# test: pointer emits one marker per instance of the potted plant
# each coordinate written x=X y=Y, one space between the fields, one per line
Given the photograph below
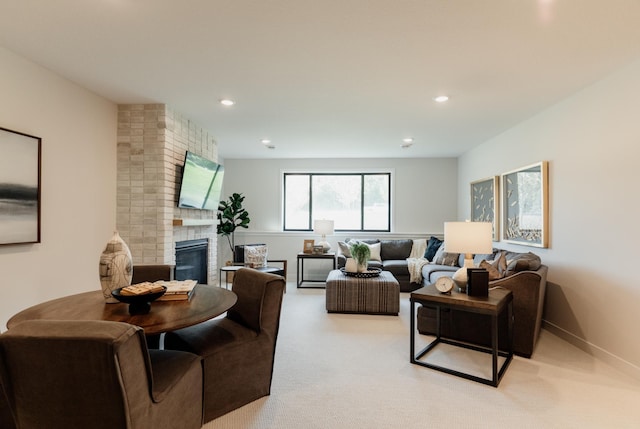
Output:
x=231 y=215
x=361 y=253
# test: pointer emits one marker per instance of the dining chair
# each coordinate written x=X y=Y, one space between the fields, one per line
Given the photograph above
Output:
x=238 y=350
x=96 y=374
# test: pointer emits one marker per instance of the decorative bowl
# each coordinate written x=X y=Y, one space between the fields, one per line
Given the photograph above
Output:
x=138 y=304
x=371 y=272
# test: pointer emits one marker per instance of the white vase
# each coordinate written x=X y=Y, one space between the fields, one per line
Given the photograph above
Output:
x=351 y=266
x=362 y=268
x=116 y=266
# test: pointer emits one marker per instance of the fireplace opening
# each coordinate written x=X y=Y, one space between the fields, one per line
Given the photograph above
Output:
x=192 y=260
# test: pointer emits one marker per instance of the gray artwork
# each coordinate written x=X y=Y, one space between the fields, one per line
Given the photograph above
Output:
x=19 y=188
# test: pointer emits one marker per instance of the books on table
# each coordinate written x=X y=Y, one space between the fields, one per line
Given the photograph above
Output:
x=177 y=289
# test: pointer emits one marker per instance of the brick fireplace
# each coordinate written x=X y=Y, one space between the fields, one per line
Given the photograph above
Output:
x=152 y=141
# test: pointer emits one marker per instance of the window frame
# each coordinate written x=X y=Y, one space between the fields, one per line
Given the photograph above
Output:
x=362 y=175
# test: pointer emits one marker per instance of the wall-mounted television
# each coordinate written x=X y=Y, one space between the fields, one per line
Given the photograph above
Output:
x=201 y=183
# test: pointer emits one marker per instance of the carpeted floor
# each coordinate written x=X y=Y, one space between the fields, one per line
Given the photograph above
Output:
x=353 y=371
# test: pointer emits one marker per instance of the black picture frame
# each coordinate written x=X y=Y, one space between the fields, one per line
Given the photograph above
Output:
x=20 y=187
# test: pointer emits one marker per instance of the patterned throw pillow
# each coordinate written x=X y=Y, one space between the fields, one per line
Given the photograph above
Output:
x=255 y=256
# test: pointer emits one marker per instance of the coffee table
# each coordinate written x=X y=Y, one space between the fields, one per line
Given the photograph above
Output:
x=374 y=295
x=499 y=300
x=206 y=303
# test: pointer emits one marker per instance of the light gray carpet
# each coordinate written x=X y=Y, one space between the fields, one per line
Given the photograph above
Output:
x=353 y=371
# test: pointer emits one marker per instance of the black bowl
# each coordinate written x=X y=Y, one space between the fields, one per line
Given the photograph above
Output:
x=138 y=304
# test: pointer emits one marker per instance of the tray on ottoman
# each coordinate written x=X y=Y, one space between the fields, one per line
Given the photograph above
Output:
x=372 y=295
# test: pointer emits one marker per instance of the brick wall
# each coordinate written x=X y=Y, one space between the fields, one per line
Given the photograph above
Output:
x=152 y=141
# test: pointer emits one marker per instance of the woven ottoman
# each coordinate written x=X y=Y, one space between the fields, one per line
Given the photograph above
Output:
x=375 y=295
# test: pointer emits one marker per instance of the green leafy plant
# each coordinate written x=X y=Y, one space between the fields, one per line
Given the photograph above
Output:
x=231 y=216
x=360 y=253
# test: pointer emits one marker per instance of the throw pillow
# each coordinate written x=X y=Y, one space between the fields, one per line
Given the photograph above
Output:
x=494 y=274
x=255 y=256
x=344 y=249
x=375 y=252
x=445 y=258
x=450 y=259
x=438 y=254
x=433 y=245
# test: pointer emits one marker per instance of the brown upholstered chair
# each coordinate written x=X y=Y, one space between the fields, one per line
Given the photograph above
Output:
x=152 y=273
x=239 y=349
x=96 y=374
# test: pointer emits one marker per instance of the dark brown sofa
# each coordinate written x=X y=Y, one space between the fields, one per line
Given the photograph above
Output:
x=528 y=287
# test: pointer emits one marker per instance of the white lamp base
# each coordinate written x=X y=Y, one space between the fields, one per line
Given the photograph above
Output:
x=325 y=246
x=460 y=277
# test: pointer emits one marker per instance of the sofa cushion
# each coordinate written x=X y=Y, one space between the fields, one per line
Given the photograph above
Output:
x=374 y=264
x=395 y=249
x=433 y=245
x=429 y=272
x=397 y=267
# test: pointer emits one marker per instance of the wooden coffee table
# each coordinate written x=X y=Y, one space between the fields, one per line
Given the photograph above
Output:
x=499 y=300
x=206 y=303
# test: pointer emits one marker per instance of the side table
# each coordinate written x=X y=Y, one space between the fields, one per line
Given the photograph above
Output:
x=499 y=300
x=300 y=266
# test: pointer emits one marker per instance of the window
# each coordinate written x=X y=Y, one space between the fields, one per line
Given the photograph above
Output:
x=354 y=201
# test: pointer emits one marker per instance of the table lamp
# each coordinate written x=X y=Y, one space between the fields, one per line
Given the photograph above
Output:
x=323 y=227
x=467 y=238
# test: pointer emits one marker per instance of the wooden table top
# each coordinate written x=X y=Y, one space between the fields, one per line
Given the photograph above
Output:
x=492 y=304
x=206 y=303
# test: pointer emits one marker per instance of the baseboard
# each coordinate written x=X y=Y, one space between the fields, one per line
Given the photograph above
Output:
x=599 y=353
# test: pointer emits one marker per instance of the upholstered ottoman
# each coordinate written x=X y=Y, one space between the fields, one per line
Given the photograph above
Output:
x=375 y=295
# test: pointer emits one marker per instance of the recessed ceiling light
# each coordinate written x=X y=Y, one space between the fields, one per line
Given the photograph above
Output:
x=440 y=99
x=265 y=141
x=408 y=140
x=227 y=102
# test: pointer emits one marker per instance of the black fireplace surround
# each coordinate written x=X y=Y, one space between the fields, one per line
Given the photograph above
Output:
x=192 y=260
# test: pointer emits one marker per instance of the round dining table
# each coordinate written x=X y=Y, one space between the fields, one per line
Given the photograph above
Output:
x=206 y=303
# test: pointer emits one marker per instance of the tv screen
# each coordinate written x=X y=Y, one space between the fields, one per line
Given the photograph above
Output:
x=201 y=183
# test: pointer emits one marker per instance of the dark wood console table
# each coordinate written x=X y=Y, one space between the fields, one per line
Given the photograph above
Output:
x=499 y=300
x=206 y=303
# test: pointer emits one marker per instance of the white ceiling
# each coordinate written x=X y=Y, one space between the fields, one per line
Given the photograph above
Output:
x=332 y=78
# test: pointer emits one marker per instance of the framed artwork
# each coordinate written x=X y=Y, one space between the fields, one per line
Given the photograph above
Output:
x=525 y=202
x=485 y=203
x=19 y=187
x=308 y=246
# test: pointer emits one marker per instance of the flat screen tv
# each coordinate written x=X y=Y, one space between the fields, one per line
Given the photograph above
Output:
x=201 y=183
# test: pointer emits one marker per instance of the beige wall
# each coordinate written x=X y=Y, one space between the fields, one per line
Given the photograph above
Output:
x=424 y=197
x=78 y=131
x=592 y=143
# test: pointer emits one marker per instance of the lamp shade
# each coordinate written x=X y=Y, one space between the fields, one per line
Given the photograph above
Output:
x=323 y=227
x=468 y=237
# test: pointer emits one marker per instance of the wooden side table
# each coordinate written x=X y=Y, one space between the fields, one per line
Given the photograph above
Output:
x=499 y=300
x=311 y=256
